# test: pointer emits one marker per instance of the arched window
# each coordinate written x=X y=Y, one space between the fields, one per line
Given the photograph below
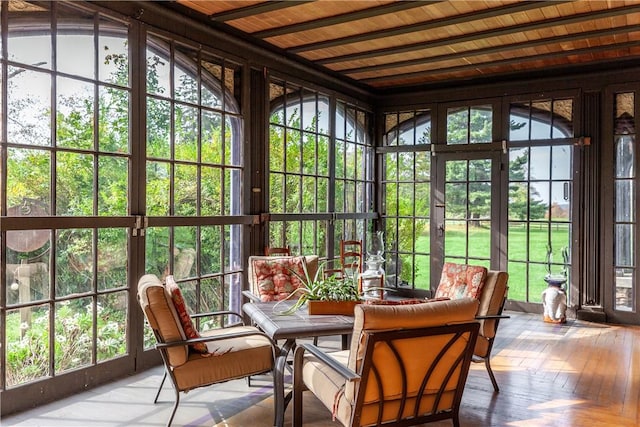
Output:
x=98 y=162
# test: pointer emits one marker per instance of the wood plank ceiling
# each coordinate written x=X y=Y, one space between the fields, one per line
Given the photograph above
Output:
x=393 y=44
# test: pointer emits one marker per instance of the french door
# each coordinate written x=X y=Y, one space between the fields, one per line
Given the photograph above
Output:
x=466 y=208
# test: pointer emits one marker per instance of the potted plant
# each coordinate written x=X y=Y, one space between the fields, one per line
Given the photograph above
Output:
x=325 y=295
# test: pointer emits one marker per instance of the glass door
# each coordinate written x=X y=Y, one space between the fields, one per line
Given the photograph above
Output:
x=621 y=303
x=466 y=210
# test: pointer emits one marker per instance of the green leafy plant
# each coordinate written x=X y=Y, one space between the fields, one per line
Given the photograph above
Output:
x=321 y=288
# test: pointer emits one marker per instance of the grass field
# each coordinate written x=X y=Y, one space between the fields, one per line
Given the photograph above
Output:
x=527 y=251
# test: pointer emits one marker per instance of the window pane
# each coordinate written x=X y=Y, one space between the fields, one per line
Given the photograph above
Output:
x=74 y=260
x=561 y=202
x=211 y=190
x=458 y=125
x=33 y=49
x=185 y=84
x=112 y=258
x=113 y=186
x=625 y=201
x=74 y=114
x=211 y=129
x=158 y=71
x=541 y=120
x=113 y=60
x=29 y=97
x=112 y=315
x=158 y=128
x=28 y=177
x=562 y=118
x=519 y=121
x=518 y=164
x=186 y=133
x=480 y=126
x=518 y=200
x=538 y=242
x=309 y=154
x=540 y=163
x=624 y=245
x=561 y=165
x=518 y=241
x=28 y=333
x=625 y=155
x=186 y=190
x=323 y=115
x=405 y=199
x=158 y=185
x=113 y=126
x=74 y=185
x=28 y=281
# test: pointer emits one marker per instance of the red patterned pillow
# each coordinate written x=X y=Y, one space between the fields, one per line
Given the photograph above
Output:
x=189 y=328
x=461 y=281
x=275 y=279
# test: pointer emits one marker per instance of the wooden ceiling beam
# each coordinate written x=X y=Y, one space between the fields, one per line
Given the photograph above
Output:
x=422 y=26
x=492 y=49
x=256 y=9
x=341 y=19
x=502 y=62
x=588 y=16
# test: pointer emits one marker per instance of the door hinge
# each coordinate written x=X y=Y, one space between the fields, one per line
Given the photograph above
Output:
x=141 y=223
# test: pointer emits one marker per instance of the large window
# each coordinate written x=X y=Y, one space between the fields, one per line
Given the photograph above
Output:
x=406 y=186
x=625 y=221
x=318 y=186
x=67 y=154
x=540 y=194
x=87 y=193
x=193 y=171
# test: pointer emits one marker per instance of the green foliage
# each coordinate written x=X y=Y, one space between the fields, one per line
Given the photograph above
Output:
x=28 y=344
x=321 y=288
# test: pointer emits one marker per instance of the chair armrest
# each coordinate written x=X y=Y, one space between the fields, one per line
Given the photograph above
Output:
x=251 y=296
x=215 y=313
x=494 y=316
x=325 y=358
x=214 y=338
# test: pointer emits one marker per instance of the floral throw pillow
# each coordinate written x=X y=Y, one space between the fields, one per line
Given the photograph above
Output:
x=461 y=281
x=275 y=279
x=189 y=328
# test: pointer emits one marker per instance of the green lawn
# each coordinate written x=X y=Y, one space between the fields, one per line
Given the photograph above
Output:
x=521 y=274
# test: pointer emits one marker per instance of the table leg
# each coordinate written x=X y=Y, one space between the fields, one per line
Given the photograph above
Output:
x=279 y=373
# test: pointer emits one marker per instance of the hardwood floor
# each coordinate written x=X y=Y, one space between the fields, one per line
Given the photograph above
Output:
x=577 y=374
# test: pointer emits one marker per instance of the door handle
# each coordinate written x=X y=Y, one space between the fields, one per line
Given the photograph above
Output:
x=441 y=230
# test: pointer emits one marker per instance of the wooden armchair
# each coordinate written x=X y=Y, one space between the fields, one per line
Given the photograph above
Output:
x=464 y=280
x=194 y=359
x=407 y=365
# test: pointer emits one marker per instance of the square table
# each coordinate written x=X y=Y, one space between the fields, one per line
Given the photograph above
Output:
x=289 y=328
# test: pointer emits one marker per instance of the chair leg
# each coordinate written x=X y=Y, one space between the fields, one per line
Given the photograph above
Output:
x=487 y=363
x=175 y=408
x=160 y=388
x=298 y=387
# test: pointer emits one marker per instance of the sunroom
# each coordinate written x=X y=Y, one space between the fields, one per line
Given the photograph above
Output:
x=183 y=137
